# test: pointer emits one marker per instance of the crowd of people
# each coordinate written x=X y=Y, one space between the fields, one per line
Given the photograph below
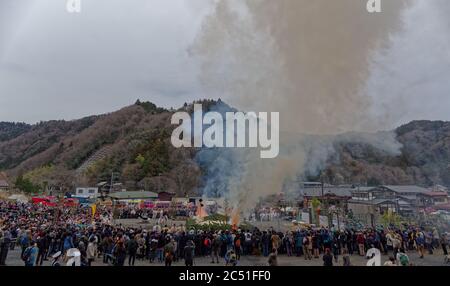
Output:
x=44 y=233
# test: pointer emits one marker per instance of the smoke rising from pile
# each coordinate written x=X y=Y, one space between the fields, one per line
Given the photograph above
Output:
x=308 y=60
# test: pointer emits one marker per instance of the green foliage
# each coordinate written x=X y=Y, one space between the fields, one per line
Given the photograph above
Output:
x=153 y=156
x=210 y=226
x=391 y=218
x=39 y=173
x=102 y=169
x=149 y=107
x=373 y=182
x=25 y=185
x=216 y=217
x=10 y=130
x=315 y=203
x=140 y=160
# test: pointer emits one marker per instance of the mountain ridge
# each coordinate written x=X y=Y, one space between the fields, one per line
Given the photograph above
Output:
x=138 y=136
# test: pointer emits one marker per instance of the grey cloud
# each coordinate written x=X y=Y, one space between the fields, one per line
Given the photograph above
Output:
x=72 y=65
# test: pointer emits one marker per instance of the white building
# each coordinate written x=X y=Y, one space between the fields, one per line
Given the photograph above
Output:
x=91 y=192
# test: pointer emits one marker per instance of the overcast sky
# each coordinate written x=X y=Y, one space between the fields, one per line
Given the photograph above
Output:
x=56 y=65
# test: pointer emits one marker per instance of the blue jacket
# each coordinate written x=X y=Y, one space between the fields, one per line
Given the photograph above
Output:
x=68 y=243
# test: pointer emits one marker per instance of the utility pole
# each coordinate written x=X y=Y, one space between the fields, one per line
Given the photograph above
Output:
x=111 y=184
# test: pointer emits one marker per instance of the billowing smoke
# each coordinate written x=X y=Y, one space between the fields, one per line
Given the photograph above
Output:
x=308 y=60
x=409 y=81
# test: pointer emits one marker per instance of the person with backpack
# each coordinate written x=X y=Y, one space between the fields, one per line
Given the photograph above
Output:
x=207 y=246
x=30 y=254
x=25 y=240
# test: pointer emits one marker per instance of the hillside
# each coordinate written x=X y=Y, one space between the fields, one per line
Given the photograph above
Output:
x=10 y=130
x=424 y=158
x=135 y=142
x=136 y=137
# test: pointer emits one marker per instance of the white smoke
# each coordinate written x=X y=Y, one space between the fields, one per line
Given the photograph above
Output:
x=321 y=64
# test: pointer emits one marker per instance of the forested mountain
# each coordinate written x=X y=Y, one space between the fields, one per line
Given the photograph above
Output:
x=135 y=143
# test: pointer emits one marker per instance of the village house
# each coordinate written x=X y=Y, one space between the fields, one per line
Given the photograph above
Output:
x=4 y=185
x=368 y=204
x=330 y=195
x=166 y=196
x=87 y=193
x=433 y=199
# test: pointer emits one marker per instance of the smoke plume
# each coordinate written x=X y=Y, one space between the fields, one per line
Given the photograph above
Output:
x=308 y=60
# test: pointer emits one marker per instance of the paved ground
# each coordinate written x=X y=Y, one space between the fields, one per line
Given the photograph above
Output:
x=430 y=260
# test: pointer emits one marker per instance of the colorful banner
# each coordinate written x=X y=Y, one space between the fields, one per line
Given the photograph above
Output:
x=94 y=209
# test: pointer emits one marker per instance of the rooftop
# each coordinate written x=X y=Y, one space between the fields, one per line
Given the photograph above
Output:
x=406 y=189
x=436 y=194
x=133 y=195
x=373 y=202
x=337 y=191
x=362 y=189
